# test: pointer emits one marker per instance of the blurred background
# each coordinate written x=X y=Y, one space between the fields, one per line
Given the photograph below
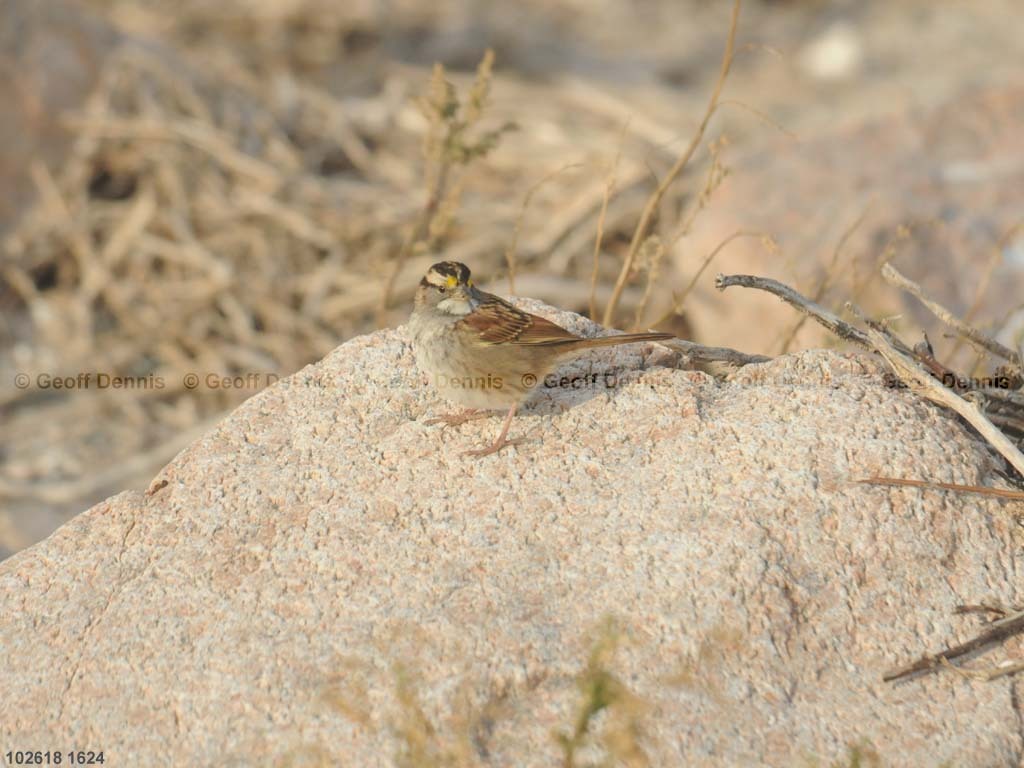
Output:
x=196 y=197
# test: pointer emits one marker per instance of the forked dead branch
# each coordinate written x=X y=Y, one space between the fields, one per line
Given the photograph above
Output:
x=916 y=365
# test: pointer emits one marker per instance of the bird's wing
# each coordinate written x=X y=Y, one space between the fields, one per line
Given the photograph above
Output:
x=495 y=321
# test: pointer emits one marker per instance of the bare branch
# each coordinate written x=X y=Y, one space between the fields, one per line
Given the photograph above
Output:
x=999 y=493
x=826 y=318
x=994 y=260
x=999 y=631
x=893 y=277
x=922 y=355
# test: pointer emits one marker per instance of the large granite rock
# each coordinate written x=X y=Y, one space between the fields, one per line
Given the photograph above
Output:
x=324 y=580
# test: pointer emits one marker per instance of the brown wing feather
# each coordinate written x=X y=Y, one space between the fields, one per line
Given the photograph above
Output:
x=497 y=322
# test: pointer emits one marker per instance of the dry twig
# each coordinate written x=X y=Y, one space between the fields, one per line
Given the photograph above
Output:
x=997 y=632
x=679 y=301
x=829 y=320
x=925 y=384
x=609 y=187
x=986 y=277
x=893 y=276
x=906 y=363
x=999 y=493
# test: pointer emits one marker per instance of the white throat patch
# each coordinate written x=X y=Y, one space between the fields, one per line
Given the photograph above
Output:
x=454 y=306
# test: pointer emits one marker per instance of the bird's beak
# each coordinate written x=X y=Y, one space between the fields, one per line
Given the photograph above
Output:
x=467 y=294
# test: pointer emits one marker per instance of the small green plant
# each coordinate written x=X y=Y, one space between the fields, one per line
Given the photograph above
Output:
x=419 y=745
x=604 y=695
x=859 y=755
x=461 y=740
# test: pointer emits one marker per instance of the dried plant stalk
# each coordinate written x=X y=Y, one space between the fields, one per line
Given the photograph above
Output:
x=654 y=201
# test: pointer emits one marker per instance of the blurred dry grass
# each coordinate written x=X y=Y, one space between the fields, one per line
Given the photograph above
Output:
x=194 y=227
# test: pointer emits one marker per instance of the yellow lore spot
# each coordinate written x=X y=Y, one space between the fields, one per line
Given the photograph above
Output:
x=452 y=282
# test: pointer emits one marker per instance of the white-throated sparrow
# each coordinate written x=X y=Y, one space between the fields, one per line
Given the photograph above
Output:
x=482 y=352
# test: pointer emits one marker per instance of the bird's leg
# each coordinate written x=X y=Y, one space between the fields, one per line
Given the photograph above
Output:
x=455 y=419
x=501 y=442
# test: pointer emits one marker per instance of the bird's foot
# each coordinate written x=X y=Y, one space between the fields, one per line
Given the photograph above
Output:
x=497 y=445
x=455 y=419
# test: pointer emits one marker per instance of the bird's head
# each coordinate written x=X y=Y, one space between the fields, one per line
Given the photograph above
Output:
x=447 y=287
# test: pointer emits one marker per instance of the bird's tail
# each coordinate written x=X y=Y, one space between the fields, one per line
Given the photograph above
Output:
x=622 y=338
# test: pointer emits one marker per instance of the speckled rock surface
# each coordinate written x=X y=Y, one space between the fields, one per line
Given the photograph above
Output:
x=256 y=607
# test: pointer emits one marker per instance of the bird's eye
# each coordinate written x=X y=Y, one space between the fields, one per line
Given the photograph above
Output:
x=442 y=289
